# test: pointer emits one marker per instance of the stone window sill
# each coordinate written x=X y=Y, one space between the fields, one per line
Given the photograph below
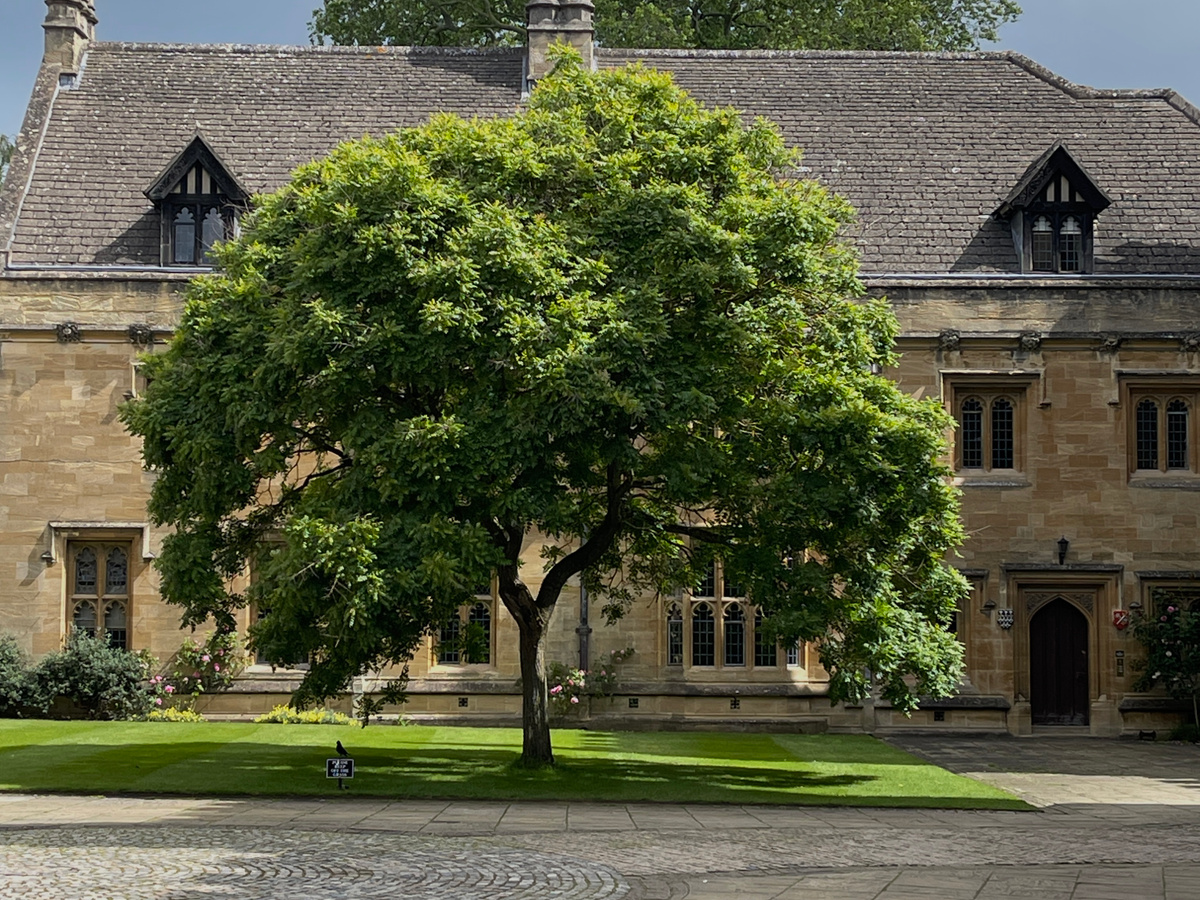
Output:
x=991 y=480
x=1175 y=481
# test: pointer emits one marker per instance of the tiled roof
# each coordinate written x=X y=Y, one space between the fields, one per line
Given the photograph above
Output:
x=927 y=146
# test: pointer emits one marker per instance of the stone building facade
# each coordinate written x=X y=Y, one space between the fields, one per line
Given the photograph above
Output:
x=1039 y=242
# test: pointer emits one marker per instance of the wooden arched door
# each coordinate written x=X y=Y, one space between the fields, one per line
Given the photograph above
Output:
x=1058 y=665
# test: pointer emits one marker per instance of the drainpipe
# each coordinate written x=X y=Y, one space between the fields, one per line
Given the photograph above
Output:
x=584 y=630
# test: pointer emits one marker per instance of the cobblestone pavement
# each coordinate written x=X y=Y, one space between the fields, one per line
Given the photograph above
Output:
x=1099 y=845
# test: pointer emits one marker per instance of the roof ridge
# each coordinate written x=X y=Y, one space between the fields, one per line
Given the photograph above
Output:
x=304 y=49
x=1071 y=88
x=1085 y=92
x=801 y=54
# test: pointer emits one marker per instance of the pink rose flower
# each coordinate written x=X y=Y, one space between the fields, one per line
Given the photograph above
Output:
x=216 y=668
x=557 y=689
x=158 y=701
x=574 y=699
x=205 y=658
x=170 y=689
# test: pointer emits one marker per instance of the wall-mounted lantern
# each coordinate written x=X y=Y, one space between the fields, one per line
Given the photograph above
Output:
x=1063 y=546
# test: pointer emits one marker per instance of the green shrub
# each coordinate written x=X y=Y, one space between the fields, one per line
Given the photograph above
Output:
x=569 y=686
x=285 y=715
x=173 y=714
x=1171 y=636
x=14 y=678
x=198 y=668
x=105 y=682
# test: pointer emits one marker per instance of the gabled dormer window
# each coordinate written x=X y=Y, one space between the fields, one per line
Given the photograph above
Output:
x=199 y=201
x=1052 y=212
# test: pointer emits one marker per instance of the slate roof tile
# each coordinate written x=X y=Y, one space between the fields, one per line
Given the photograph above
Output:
x=926 y=146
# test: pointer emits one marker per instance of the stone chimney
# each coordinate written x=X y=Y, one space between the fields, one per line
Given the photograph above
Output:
x=553 y=22
x=70 y=25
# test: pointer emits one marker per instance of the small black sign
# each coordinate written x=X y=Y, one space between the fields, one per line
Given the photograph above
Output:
x=339 y=768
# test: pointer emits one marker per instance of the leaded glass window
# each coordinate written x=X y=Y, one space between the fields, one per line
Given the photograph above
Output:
x=115 y=624
x=989 y=429
x=703 y=636
x=480 y=619
x=116 y=580
x=1177 y=435
x=971 y=434
x=707 y=586
x=85 y=571
x=735 y=635
x=795 y=655
x=764 y=649
x=1070 y=245
x=184 y=238
x=1147 y=434
x=674 y=636
x=1043 y=244
x=1002 y=433
x=90 y=611
x=213 y=230
x=448 y=651
x=83 y=618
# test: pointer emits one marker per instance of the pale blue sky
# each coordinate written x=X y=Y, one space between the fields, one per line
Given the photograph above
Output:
x=1104 y=43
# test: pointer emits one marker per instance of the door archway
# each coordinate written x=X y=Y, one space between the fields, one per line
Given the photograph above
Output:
x=1058 y=665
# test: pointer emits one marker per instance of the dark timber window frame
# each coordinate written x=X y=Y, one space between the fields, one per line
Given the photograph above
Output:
x=1162 y=427
x=991 y=412
x=479 y=612
x=100 y=579
x=716 y=627
x=1052 y=213
x=195 y=186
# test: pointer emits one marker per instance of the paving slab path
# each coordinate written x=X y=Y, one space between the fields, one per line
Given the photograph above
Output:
x=1088 y=840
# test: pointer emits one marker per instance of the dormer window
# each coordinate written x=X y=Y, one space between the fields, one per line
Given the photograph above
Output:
x=199 y=201
x=1056 y=243
x=199 y=217
x=1052 y=211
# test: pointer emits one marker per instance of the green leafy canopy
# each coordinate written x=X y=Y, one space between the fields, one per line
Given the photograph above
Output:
x=613 y=324
x=720 y=24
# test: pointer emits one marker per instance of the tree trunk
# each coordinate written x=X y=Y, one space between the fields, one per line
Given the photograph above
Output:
x=535 y=719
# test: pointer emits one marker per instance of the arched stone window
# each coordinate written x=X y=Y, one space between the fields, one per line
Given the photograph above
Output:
x=480 y=618
x=116 y=577
x=703 y=635
x=765 y=651
x=1178 y=456
x=115 y=624
x=100 y=595
x=85 y=571
x=448 y=652
x=83 y=618
x=674 y=636
x=1147 y=434
x=1043 y=244
x=183 y=238
x=1070 y=245
x=735 y=635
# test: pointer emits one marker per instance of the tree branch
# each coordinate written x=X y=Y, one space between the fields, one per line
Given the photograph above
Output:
x=596 y=544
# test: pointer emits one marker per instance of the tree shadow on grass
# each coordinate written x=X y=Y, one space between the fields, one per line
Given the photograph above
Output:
x=263 y=769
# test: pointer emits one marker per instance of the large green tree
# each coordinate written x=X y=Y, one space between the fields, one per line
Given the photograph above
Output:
x=723 y=24
x=612 y=325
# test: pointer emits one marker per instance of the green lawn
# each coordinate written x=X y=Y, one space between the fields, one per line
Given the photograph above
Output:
x=222 y=759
